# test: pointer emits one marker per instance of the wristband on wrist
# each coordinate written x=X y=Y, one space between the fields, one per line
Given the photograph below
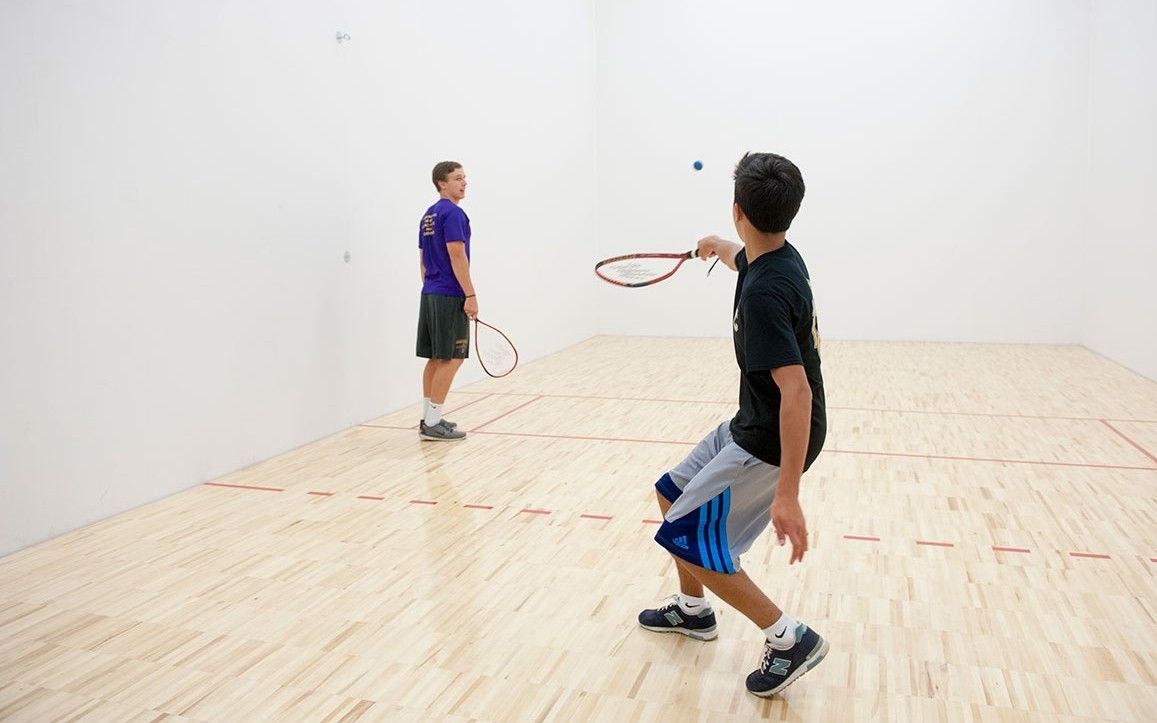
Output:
x=471 y=296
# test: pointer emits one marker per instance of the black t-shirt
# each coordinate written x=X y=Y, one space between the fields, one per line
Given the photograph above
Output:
x=774 y=325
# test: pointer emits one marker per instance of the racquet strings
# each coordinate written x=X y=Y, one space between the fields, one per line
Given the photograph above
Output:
x=495 y=351
x=638 y=270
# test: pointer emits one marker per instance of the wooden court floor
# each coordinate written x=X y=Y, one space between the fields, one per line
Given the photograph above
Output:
x=984 y=548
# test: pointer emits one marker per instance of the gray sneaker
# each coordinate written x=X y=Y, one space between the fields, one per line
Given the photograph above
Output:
x=440 y=432
x=451 y=425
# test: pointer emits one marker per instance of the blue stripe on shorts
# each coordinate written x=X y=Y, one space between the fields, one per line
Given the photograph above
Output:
x=700 y=539
x=713 y=533
x=719 y=497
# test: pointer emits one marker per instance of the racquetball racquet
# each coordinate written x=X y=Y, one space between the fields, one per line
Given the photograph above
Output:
x=495 y=351
x=634 y=270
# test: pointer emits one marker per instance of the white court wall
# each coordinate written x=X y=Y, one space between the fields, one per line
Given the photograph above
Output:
x=944 y=147
x=179 y=184
x=1119 y=256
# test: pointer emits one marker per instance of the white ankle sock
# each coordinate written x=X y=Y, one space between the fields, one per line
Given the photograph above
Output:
x=433 y=414
x=781 y=634
x=425 y=406
x=693 y=604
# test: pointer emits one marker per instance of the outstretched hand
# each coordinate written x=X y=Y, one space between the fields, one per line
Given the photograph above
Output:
x=720 y=249
x=707 y=247
x=787 y=520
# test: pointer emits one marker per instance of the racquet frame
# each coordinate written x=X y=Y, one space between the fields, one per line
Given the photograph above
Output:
x=692 y=254
x=478 y=348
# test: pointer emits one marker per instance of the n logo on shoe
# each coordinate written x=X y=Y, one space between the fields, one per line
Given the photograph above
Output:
x=779 y=666
x=673 y=617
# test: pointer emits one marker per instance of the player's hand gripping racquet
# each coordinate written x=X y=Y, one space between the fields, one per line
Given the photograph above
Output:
x=634 y=270
x=496 y=353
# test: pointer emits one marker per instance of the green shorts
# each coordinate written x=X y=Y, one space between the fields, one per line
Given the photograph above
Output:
x=443 y=328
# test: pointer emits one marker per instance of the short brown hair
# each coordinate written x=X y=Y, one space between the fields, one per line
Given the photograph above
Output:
x=442 y=170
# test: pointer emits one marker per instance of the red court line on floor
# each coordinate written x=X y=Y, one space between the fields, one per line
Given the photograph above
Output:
x=245 y=487
x=535 y=511
x=1121 y=434
x=551 y=436
x=909 y=455
x=997 y=415
x=1042 y=463
x=601 y=398
x=882 y=410
x=507 y=413
x=578 y=438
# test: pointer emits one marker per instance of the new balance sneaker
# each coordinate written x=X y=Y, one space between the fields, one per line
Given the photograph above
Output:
x=451 y=425
x=780 y=668
x=672 y=618
x=440 y=432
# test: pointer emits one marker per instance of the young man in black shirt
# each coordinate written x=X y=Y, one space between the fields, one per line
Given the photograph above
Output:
x=747 y=472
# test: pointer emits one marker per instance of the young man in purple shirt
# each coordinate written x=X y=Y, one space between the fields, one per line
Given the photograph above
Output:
x=448 y=298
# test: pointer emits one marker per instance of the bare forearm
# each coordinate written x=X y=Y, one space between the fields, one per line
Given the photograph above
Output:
x=795 y=433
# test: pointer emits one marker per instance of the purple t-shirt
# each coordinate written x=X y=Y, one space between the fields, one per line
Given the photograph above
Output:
x=444 y=222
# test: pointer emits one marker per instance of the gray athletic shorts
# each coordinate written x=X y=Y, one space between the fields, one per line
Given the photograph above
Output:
x=443 y=328
x=720 y=498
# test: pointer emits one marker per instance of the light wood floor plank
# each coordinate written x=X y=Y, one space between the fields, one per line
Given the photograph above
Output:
x=984 y=548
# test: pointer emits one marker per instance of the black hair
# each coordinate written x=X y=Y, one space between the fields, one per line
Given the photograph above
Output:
x=769 y=190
